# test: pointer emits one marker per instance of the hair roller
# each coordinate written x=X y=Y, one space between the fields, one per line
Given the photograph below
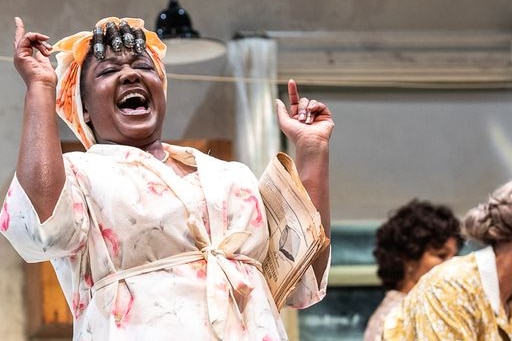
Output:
x=98 y=44
x=113 y=37
x=126 y=34
x=140 y=40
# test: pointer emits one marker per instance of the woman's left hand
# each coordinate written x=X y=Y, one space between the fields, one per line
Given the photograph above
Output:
x=306 y=123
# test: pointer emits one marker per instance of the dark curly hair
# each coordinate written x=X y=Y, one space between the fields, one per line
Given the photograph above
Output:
x=406 y=235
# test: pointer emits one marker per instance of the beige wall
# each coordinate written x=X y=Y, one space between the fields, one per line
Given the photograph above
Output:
x=202 y=109
x=11 y=285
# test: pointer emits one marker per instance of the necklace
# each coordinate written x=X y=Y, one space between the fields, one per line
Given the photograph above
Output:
x=166 y=156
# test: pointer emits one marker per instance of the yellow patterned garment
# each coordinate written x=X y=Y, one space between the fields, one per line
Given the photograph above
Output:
x=457 y=300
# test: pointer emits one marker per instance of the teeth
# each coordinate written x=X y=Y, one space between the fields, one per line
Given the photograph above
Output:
x=132 y=95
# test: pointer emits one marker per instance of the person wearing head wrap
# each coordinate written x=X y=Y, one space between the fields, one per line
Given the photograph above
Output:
x=149 y=241
x=467 y=297
x=72 y=52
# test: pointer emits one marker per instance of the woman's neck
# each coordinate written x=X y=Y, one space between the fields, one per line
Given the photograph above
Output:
x=156 y=149
x=503 y=253
x=406 y=285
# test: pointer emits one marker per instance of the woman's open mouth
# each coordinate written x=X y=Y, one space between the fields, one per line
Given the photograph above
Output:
x=133 y=104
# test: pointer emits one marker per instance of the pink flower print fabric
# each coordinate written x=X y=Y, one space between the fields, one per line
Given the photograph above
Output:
x=143 y=254
x=4 y=214
x=4 y=218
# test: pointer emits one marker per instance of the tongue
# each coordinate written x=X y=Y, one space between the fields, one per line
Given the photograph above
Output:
x=136 y=111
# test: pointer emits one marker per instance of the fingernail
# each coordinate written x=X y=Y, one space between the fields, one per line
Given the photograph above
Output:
x=309 y=118
x=302 y=115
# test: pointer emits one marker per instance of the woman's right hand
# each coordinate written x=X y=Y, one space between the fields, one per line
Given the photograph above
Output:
x=40 y=169
x=31 y=56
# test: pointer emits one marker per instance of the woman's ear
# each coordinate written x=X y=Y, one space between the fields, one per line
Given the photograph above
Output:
x=409 y=269
x=87 y=117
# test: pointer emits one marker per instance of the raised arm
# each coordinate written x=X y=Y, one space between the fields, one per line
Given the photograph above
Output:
x=40 y=168
x=308 y=124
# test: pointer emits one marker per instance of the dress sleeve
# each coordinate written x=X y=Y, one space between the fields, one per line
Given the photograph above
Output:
x=308 y=291
x=62 y=234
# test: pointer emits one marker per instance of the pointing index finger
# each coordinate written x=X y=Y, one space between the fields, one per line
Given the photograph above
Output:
x=293 y=94
x=20 y=29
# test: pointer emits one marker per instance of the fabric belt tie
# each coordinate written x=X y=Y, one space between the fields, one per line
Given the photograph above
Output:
x=226 y=285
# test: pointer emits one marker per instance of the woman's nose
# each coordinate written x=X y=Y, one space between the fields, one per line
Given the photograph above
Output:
x=129 y=75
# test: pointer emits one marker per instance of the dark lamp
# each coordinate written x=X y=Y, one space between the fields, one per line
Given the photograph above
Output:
x=184 y=44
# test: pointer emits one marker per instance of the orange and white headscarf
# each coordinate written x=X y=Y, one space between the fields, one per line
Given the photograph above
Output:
x=70 y=57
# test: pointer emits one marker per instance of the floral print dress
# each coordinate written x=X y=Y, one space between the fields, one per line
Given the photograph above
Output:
x=144 y=254
x=457 y=300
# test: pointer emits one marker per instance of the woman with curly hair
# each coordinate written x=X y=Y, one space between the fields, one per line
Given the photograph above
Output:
x=415 y=238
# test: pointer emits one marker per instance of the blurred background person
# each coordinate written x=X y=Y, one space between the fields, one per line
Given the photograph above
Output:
x=468 y=297
x=416 y=237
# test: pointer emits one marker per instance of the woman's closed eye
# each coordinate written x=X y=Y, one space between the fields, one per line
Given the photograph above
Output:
x=444 y=256
x=107 y=71
x=143 y=66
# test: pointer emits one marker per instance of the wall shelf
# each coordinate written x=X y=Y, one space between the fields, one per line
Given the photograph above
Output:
x=429 y=59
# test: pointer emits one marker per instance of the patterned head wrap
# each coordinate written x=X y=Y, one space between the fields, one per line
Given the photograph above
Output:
x=71 y=54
